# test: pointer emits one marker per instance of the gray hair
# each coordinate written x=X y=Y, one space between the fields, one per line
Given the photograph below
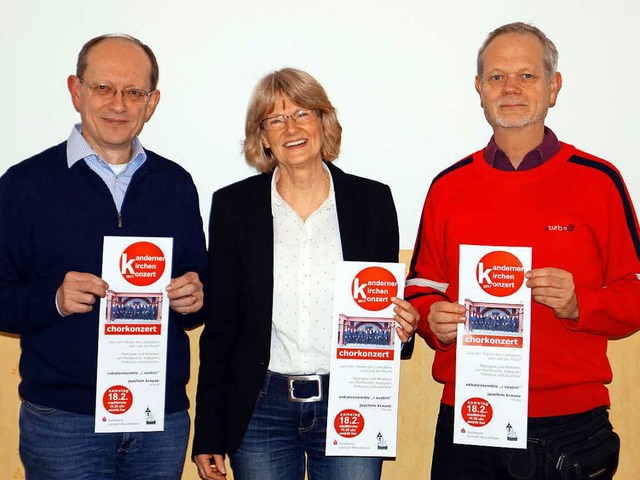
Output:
x=549 y=50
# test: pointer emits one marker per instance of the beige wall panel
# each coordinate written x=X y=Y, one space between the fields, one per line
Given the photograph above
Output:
x=624 y=356
x=10 y=465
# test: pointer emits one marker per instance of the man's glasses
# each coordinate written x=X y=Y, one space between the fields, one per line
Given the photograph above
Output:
x=133 y=95
x=301 y=117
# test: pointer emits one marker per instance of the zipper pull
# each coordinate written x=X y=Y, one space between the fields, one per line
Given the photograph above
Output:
x=119 y=220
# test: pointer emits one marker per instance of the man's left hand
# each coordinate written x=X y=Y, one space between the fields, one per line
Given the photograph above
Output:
x=185 y=293
x=554 y=288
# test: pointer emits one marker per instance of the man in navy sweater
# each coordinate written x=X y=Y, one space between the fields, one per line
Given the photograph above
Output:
x=55 y=210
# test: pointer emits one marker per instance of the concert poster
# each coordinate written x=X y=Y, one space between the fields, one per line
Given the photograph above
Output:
x=365 y=360
x=492 y=357
x=132 y=335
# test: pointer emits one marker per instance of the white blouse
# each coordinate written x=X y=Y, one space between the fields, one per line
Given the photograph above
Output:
x=304 y=263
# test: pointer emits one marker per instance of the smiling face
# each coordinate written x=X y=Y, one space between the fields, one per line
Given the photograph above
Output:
x=296 y=145
x=110 y=124
x=514 y=90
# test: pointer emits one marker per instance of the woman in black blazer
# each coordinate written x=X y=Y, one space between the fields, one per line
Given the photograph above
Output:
x=274 y=241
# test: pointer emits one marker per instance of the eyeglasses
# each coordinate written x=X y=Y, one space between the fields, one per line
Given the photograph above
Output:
x=301 y=117
x=133 y=95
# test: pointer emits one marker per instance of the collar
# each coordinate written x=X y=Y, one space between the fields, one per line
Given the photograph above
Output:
x=78 y=148
x=496 y=157
x=277 y=200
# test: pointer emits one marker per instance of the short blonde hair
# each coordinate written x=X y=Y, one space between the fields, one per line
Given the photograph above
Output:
x=303 y=90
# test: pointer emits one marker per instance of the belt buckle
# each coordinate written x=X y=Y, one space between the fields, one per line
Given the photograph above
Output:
x=304 y=378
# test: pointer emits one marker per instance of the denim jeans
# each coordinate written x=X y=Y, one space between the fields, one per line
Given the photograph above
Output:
x=60 y=445
x=468 y=462
x=284 y=437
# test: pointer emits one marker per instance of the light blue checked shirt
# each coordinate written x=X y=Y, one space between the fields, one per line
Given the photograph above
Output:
x=78 y=149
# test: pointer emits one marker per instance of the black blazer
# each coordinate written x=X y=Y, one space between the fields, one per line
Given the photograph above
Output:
x=236 y=340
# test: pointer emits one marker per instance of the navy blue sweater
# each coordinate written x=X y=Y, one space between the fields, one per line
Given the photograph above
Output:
x=52 y=220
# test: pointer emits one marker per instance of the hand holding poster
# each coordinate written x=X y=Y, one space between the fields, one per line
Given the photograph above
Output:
x=132 y=338
x=492 y=357
x=365 y=360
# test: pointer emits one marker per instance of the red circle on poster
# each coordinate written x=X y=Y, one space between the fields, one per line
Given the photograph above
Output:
x=142 y=263
x=117 y=399
x=477 y=412
x=349 y=423
x=500 y=273
x=373 y=287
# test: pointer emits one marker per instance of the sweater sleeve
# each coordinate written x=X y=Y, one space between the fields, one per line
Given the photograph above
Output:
x=389 y=247
x=612 y=308
x=428 y=280
x=27 y=302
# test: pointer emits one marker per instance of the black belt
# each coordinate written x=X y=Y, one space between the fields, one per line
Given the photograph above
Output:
x=300 y=388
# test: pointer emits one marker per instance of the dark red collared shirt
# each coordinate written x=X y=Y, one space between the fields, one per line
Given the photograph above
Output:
x=536 y=157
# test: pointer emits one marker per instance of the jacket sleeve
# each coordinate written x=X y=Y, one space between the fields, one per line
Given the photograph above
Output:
x=388 y=236
x=613 y=308
x=194 y=258
x=220 y=330
x=27 y=303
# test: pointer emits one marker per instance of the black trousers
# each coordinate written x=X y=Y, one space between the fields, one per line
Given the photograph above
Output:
x=547 y=439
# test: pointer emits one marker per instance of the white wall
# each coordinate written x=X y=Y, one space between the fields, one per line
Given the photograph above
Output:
x=399 y=72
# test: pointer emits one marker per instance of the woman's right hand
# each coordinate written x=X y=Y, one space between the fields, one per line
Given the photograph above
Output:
x=211 y=470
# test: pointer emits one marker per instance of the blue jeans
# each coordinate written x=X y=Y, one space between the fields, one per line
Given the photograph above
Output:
x=283 y=436
x=60 y=445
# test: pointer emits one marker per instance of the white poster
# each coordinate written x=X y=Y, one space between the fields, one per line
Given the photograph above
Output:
x=492 y=358
x=365 y=361
x=132 y=338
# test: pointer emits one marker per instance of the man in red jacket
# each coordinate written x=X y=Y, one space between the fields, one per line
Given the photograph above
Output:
x=526 y=188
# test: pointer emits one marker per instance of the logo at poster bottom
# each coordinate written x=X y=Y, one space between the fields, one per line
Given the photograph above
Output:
x=373 y=287
x=349 y=423
x=477 y=412
x=117 y=399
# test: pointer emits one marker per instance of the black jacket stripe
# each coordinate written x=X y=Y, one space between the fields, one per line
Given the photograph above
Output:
x=626 y=202
x=416 y=248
